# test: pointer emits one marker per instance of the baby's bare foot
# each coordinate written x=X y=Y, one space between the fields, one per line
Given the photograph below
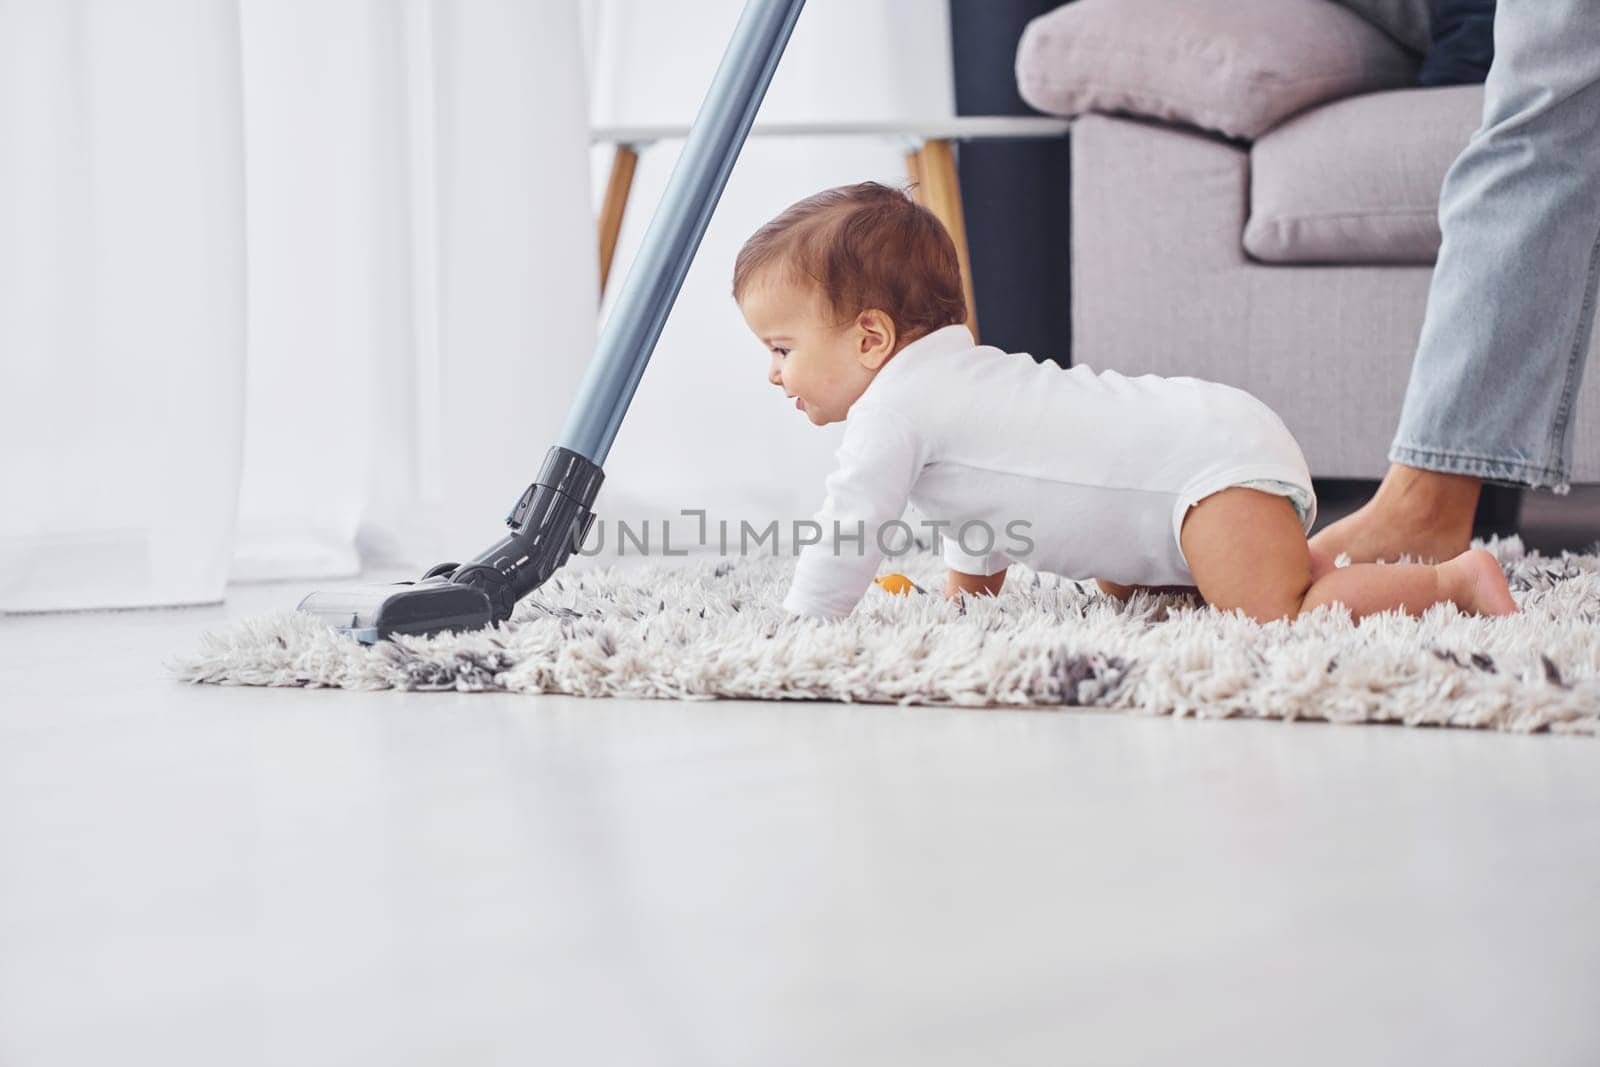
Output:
x=1478 y=585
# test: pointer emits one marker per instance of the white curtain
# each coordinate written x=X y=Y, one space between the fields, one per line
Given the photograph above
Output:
x=121 y=301
x=286 y=286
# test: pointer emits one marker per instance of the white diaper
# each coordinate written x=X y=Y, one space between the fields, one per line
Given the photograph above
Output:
x=1302 y=499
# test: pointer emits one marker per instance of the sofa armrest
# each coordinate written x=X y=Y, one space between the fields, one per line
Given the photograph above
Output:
x=1235 y=67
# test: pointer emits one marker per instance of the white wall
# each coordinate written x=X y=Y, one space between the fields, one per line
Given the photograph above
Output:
x=705 y=429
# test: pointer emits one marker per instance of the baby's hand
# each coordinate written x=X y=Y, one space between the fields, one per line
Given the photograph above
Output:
x=959 y=583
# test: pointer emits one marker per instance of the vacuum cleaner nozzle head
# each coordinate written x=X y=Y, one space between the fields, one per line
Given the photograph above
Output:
x=373 y=613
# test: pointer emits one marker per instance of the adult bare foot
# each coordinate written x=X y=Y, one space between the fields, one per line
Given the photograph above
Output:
x=1421 y=513
x=1477 y=584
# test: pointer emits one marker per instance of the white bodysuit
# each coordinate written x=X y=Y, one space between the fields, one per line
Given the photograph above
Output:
x=1075 y=472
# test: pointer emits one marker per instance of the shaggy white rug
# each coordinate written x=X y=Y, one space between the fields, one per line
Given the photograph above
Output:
x=700 y=630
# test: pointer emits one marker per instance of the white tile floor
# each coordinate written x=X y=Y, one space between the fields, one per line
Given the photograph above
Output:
x=234 y=876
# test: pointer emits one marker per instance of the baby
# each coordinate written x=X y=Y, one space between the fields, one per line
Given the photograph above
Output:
x=1142 y=482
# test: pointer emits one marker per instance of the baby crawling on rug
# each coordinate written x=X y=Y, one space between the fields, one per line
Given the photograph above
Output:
x=1142 y=482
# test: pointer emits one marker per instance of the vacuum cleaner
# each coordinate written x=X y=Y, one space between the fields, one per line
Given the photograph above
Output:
x=552 y=517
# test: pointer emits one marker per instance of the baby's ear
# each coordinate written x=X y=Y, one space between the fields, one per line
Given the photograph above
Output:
x=877 y=331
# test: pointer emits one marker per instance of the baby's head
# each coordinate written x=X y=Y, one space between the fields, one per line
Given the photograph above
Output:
x=839 y=283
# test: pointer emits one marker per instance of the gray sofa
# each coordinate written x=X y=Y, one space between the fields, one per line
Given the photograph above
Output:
x=1254 y=200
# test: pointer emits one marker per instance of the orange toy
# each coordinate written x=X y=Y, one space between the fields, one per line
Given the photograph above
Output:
x=898 y=584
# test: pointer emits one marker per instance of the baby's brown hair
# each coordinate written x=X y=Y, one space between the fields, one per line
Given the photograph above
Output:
x=863 y=246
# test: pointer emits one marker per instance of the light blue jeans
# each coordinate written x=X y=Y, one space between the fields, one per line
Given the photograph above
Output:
x=1512 y=302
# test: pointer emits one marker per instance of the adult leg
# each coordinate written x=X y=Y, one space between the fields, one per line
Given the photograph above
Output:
x=1512 y=302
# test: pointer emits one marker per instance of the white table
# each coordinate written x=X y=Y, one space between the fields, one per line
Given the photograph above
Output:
x=930 y=165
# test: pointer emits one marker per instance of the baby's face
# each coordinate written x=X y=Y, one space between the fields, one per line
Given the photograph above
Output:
x=825 y=368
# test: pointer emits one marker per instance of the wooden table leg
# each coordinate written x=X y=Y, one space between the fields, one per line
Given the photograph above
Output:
x=943 y=197
x=623 y=163
x=919 y=193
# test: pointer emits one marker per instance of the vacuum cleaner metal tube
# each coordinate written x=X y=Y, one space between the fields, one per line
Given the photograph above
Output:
x=679 y=222
x=553 y=515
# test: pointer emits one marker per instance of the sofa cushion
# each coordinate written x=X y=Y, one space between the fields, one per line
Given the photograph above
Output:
x=1238 y=67
x=1358 y=181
